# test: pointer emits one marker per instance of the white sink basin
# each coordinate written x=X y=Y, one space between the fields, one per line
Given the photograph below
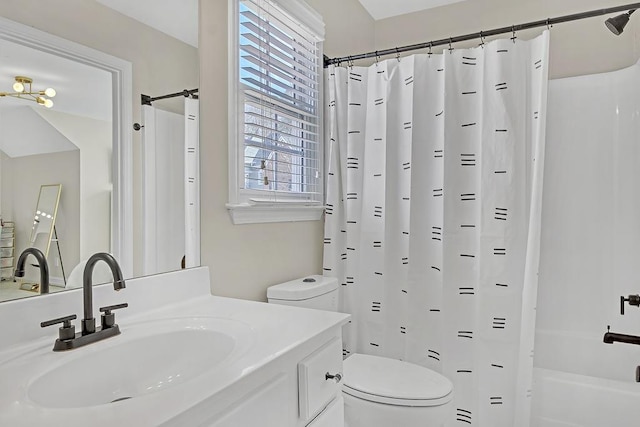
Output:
x=145 y=358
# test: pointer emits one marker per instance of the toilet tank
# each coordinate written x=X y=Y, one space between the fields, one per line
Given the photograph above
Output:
x=310 y=292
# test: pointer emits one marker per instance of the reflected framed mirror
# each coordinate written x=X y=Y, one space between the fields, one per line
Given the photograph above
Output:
x=43 y=234
x=44 y=218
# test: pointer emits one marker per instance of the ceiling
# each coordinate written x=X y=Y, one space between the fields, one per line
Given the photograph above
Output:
x=381 y=9
x=81 y=90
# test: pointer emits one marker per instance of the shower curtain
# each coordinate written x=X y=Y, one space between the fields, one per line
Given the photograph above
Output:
x=433 y=216
x=170 y=188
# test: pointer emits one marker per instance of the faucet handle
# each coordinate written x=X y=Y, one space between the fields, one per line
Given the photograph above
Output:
x=631 y=299
x=67 y=330
x=108 y=319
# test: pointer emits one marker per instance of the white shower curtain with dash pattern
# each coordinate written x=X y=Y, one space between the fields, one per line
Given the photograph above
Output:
x=434 y=189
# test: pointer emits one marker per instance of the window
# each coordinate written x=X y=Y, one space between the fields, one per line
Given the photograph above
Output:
x=276 y=91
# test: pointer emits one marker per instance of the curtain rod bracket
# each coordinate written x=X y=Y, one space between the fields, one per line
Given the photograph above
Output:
x=147 y=100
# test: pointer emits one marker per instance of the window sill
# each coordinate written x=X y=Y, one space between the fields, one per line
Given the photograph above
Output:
x=248 y=213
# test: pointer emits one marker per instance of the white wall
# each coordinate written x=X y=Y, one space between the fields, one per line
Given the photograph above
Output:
x=93 y=139
x=90 y=169
x=590 y=242
x=21 y=181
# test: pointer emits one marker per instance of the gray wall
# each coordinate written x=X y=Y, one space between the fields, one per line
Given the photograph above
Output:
x=246 y=259
x=577 y=48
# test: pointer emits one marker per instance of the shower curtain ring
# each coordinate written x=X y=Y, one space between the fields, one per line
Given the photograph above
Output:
x=430 y=49
x=513 y=30
x=377 y=58
x=481 y=39
x=398 y=54
x=450 y=47
x=549 y=24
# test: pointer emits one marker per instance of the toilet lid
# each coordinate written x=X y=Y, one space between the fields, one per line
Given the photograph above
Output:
x=394 y=382
x=302 y=289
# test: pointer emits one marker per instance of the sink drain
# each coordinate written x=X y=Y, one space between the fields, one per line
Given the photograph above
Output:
x=120 y=399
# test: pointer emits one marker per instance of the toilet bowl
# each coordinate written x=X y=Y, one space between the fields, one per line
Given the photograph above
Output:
x=377 y=391
x=380 y=391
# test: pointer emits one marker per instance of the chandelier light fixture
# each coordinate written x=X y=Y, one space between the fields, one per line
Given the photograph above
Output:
x=22 y=89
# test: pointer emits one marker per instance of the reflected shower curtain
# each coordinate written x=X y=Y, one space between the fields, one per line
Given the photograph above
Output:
x=433 y=213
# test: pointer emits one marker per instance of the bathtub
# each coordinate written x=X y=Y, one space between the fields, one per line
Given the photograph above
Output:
x=581 y=382
x=562 y=399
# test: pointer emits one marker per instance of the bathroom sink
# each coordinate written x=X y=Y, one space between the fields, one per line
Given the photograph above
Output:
x=146 y=358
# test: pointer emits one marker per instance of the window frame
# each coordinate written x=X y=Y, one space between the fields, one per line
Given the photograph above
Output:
x=247 y=206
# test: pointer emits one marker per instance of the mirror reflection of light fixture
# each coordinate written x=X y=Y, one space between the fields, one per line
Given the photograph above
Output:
x=23 y=90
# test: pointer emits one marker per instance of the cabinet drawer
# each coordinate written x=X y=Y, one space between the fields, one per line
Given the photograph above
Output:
x=315 y=390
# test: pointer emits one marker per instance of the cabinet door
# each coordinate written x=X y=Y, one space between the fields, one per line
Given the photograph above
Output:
x=332 y=416
x=318 y=378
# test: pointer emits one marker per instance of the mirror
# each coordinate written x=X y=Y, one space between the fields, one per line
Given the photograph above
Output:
x=86 y=140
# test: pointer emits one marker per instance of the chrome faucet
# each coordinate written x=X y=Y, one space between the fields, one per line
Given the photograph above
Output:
x=68 y=338
x=42 y=264
x=89 y=322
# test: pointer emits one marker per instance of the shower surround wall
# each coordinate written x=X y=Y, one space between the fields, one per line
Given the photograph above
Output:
x=590 y=251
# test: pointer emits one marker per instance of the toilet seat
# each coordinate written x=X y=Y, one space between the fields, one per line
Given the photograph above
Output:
x=394 y=382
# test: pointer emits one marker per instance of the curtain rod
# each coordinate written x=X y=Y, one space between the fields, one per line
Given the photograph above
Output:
x=482 y=34
x=147 y=100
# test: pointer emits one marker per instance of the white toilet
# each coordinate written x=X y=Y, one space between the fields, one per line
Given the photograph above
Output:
x=377 y=391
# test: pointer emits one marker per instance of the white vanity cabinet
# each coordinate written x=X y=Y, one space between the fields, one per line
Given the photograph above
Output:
x=331 y=416
x=259 y=365
x=293 y=391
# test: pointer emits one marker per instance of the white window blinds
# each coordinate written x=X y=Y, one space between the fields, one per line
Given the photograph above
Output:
x=279 y=72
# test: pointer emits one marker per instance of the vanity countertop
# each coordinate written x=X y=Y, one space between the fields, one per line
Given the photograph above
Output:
x=269 y=331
